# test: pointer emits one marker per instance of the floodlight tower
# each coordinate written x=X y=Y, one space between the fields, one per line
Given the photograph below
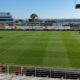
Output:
x=77 y=5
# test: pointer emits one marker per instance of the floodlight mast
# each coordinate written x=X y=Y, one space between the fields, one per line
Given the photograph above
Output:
x=77 y=6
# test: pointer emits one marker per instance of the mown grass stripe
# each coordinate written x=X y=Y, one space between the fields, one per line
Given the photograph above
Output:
x=73 y=48
x=56 y=53
x=35 y=50
x=43 y=48
x=12 y=53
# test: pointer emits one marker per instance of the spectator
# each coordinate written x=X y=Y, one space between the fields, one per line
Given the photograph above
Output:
x=2 y=67
x=18 y=70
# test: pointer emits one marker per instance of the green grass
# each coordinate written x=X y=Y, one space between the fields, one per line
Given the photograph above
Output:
x=41 y=48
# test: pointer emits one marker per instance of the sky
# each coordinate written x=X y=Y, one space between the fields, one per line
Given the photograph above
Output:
x=51 y=9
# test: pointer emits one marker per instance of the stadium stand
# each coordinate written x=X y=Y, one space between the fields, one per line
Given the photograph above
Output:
x=39 y=72
x=53 y=73
x=14 y=77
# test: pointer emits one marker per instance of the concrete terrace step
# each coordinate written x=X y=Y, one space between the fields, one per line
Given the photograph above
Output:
x=14 y=77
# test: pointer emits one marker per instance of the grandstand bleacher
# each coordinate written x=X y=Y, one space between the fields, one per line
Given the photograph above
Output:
x=39 y=72
x=14 y=77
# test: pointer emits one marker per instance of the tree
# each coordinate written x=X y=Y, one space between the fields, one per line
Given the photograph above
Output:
x=34 y=17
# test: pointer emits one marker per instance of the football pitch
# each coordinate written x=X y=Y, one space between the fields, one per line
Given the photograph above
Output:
x=40 y=48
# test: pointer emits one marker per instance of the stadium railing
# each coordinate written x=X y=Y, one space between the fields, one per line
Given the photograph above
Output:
x=40 y=71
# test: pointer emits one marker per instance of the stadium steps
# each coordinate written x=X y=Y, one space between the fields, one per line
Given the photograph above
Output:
x=14 y=77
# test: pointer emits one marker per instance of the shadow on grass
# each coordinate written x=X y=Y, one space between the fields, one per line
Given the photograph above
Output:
x=1 y=37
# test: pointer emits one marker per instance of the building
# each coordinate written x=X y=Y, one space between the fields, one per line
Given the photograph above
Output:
x=6 y=18
x=55 y=22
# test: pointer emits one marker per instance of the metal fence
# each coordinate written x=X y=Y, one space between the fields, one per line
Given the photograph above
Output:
x=40 y=71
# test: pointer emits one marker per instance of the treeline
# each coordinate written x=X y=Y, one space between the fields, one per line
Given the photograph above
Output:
x=72 y=25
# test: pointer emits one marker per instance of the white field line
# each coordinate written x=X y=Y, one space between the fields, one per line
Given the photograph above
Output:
x=16 y=44
x=11 y=47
